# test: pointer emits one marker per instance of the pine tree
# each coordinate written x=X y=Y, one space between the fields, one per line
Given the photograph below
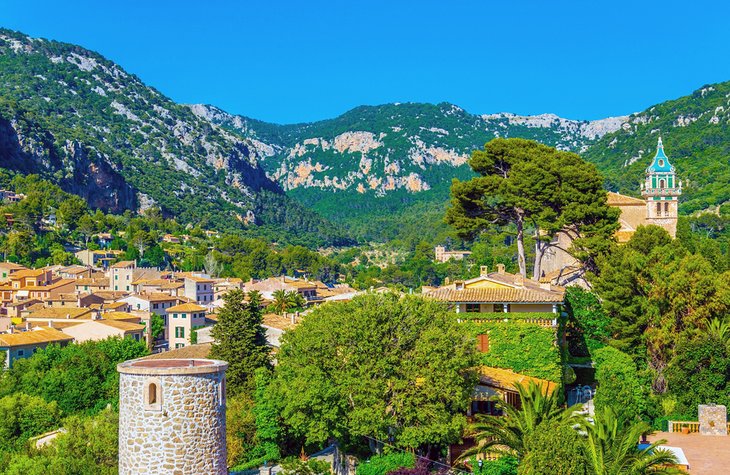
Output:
x=240 y=340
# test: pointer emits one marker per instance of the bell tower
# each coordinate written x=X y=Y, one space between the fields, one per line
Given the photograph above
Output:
x=661 y=191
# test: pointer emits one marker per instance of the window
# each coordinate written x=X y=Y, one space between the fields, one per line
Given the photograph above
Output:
x=658 y=208
x=501 y=307
x=174 y=315
x=136 y=336
x=483 y=343
x=179 y=332
x=661 y=183
x=472 y=307
x=183 y=315
x=153 y=395
x=179 y=345
x=116 y=277
x=21 y=352
x=666 y=208
x=661 y=164
x=155 y=305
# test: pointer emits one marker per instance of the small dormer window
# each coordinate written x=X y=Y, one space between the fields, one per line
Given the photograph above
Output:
x=661 y=162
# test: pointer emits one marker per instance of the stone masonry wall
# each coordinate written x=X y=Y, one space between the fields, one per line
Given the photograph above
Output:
x=713 y=419
x=187 y=435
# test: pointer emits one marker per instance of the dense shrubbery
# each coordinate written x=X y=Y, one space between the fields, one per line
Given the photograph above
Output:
x=522 y=347
x=384 y=464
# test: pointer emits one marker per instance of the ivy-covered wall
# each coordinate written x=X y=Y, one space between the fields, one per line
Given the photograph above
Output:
x=522 y=347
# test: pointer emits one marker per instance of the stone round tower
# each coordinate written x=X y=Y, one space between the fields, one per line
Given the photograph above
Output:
x=172 y=417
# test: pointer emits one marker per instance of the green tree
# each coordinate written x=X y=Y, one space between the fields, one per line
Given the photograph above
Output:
x=240 y=339
x=611 y=447
x=699 y=372
x=89 y=447
x=70 y=211
x=157 y=326
x=23 y=416
x=554 y=447
x=389 y=367
x=532 y=186
x=619 y=386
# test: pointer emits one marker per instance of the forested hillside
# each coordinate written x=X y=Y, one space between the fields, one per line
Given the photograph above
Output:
x=375 y=163
x=696 y=134
x=80 y=120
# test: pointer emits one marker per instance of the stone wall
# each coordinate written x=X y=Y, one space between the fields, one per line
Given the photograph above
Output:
x=713 y=419
x=177 y=426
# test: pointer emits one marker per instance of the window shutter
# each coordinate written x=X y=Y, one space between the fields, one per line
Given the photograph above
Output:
x=483 y=343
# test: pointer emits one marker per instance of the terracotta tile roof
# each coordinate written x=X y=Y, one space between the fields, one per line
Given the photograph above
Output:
x=154 y=296
x=92 y=281
x=27 y=273
x=186 y=307
x=497 y=295
x=116 y=304
x=121 y=325
x=61 y=312
x=507 y=379
x=120 y=316
x=198 y=279
x=12 y=265
x=122 y=264
x=277 y=321
x=617 y=199
x=56 y=325
x=53 y=285
x=201 y=350
x=45 y=335
x=110 y=294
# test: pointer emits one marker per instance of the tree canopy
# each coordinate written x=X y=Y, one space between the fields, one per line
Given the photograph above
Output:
x=384 y=366
x=534 y=187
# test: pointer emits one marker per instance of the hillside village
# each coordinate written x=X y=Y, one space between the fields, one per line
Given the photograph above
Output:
x=522 y=330
x=403 y=289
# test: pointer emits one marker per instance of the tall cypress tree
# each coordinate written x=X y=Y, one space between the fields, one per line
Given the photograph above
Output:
x=240 y=340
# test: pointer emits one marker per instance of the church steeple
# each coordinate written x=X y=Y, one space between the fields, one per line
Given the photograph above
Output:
x=660 y=163
x=661 y=191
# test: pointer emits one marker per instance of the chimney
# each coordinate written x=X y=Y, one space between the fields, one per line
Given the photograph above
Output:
x=545 y=286
x=459 y=284
x=27 y=326
x=500 y=268
x=447 y=281
x=519 y=280
x=50 y=323
x=68 y=316
x=483 y=271
x=11 y=329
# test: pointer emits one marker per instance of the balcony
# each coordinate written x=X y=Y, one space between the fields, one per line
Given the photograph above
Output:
x=662 y=192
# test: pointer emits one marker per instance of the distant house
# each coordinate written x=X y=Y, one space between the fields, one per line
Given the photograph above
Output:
x=181 y=321
x=74 y=272
x=121 y=275
x=170 y=239
x=267 y=287
x=199 y=288
x=18 y=345
x=99 y=259
x=8 y=268
x=442 y=255
x=95 y=330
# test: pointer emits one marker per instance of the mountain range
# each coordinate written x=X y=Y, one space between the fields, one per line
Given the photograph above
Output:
x=83 y=122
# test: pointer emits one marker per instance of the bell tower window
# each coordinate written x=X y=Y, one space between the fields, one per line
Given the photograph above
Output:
x=659 y=209
x=661 y=184
x=666 y=208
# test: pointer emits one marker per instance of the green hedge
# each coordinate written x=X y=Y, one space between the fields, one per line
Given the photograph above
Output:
x=522 y=347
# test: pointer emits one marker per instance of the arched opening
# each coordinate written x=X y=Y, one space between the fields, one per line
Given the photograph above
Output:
x=666 y=208
x=661 y=184
x=152 y=394
x=658 y=209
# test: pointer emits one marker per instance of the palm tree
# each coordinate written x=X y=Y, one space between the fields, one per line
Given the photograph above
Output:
x=719 y=329
x=285 y=301
x=507 y=433
x=611 y=447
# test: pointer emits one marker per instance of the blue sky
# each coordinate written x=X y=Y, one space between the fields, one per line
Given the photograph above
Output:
x=286 y=61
